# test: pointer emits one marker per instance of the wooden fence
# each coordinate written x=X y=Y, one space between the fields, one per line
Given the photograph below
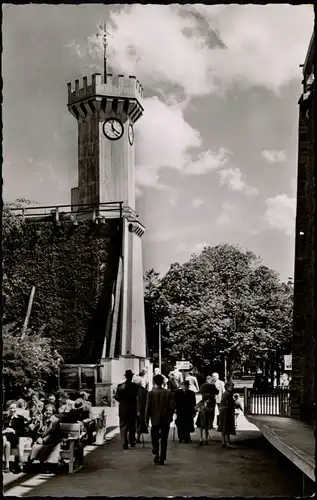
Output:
x=276 y=402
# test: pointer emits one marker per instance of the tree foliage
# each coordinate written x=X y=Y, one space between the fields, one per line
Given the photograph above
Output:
x=28 y=362
x=224 y=303
x=72 y=269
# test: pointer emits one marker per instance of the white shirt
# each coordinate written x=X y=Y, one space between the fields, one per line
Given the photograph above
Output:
x=221 y=388
x=193 y=383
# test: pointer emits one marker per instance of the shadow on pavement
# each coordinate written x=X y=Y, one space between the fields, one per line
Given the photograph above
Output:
x=23 y=477
x=191 y=470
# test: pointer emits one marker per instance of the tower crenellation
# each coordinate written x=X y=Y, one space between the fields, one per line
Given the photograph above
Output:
x=116 y=86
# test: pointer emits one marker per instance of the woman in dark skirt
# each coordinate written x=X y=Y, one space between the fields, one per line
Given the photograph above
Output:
x=185 y=402
x=227 y=425
x=206 y=408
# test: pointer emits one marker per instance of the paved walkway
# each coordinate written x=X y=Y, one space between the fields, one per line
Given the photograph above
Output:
x=190 y=471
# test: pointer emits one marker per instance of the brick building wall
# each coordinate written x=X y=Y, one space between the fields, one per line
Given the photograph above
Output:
x=303 y=372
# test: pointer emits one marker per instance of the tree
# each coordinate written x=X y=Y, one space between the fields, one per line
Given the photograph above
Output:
x=152 y=310
x=225 y=304
x=28 y=362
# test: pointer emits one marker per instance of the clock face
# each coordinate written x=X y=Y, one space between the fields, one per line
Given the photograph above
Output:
x=131 y=134
x=113 y=129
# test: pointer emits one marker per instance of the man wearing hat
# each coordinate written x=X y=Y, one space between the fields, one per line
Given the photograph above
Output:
x=82 y=409
x=127 y=397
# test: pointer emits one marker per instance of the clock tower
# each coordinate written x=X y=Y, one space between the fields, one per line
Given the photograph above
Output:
x=106 y=109
x=106 y=114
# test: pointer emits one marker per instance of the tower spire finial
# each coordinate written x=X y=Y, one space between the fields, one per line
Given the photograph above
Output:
x=104 y=34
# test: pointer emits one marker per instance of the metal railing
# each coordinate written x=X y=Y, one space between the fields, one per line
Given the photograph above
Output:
x=276 y=402
x=109 y=209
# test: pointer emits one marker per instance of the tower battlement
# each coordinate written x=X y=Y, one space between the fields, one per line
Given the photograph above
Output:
x=116 y=86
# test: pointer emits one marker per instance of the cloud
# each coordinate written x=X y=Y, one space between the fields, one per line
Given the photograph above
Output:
x=194 y=50
x=190 y=248
x=168 y=233
x=226 y=216
x=196 y=203
x=77 y=48
x=274 y=156
x=172 y=202
x=155 y=149
x=264 y=45
x=151 y=41
x=233 y=178
x=159 y=124
x=207 y=161
x=204 y=49
x=280 y=213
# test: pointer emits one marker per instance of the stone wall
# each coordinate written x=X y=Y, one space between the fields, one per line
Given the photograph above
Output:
x=88 y=160
x=303 y=372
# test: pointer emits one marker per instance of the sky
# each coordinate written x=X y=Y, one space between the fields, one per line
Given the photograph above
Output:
x=216 y=149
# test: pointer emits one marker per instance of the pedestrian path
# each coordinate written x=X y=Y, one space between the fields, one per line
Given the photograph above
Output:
x=190 y=470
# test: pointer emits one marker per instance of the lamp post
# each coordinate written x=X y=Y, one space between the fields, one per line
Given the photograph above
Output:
x=224 y=363
x=160 y=346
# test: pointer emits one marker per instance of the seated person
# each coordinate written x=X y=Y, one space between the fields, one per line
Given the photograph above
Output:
x=48 y=437
x=23 y=401
x=14 y=427
x=51 y=400
x=82 y=413
x=35 y=406
x=64 y=404
x=21 y=404
x=85 y=396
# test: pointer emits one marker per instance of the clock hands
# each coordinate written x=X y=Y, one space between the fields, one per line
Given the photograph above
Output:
x=113 y=129
x=118 y=132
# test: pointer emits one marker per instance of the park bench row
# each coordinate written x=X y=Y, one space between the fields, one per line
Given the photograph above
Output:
x=73 y=441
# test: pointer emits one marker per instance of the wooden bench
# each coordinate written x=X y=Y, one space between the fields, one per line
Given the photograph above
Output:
x=73 y=438
x=73 y=444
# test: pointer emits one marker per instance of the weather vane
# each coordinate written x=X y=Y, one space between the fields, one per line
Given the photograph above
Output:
x=103 y=32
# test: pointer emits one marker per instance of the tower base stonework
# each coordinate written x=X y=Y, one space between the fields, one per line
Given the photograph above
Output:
x=128 y=321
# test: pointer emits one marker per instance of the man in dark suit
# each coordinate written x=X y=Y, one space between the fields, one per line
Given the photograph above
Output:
x=127 y=397
x=160 y=409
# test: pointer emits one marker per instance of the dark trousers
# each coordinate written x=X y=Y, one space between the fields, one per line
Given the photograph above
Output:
x=159 y=436
x=185 y=426
x=183 y=432
x=127 y=431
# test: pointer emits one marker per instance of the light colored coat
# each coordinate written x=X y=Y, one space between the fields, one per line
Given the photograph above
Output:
x=221 y=388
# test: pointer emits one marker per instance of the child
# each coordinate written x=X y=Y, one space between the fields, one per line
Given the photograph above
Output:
x=237 y=407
